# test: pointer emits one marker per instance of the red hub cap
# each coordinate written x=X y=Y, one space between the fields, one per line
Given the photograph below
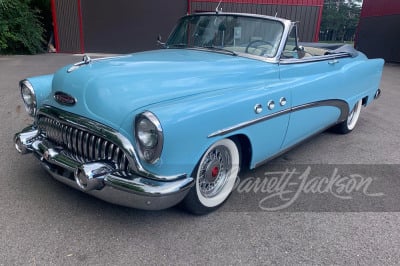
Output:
x=214 y=171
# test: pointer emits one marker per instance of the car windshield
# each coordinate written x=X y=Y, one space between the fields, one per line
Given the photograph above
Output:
x=232 y=34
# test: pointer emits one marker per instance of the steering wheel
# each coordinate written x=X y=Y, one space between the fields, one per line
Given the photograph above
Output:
x=256 y=46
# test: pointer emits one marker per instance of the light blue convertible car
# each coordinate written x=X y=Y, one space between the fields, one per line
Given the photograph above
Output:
x=229 y=91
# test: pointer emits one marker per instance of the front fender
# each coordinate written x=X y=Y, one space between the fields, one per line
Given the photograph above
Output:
x=188 y=124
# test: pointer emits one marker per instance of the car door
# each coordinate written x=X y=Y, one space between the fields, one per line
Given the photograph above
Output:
x=270 y=125
x=315 y=83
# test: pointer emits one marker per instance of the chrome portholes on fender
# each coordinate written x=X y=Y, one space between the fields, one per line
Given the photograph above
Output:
x=258 y=108
x=271 y=105
x=350 y=123
x=282 y=101
x=215 y=177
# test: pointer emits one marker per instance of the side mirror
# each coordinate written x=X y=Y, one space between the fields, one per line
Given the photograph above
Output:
x=300 y=51
x=159 y=41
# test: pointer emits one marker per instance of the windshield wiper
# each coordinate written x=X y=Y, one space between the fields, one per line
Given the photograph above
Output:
x=215 y=48
x=177 y=45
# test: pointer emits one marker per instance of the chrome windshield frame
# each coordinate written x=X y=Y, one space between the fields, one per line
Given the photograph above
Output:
x=287 y=24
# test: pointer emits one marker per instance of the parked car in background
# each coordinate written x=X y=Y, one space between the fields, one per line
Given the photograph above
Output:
x=229 y=91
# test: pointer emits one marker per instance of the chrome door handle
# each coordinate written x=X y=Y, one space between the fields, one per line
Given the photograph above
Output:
x=334 y=61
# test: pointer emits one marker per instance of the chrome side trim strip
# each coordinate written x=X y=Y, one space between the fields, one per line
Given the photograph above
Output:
x=312 y=59
x=248 y=123
x=342 y=105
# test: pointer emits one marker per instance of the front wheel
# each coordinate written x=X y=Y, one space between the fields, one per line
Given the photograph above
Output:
x=350 y=123
x=215 y=177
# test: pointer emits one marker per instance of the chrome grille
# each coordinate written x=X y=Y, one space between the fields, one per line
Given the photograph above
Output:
x=82 y=145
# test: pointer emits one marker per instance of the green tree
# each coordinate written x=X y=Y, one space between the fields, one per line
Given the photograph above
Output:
x=20 y=28
x=340 y=20
x=44 y=7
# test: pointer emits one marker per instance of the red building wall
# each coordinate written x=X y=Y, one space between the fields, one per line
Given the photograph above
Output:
x=307 y=12
x=372 y=8
x=378 y=34
x=123 y=26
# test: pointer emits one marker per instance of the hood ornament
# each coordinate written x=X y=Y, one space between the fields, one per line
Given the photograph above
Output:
x=64 y=99
x=85 y=61
x=217 y=10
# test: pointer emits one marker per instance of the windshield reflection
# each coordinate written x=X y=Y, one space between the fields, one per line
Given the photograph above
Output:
x=233 y=34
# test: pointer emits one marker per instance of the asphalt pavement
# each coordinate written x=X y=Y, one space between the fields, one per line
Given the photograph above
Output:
x=43 y=222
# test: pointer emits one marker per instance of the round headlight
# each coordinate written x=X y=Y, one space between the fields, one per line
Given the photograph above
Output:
x=147 y=133
x=149 y=136
x=28 y=96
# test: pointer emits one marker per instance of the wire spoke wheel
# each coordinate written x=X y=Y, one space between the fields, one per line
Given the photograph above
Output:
x=214 y=171
x=215 y=176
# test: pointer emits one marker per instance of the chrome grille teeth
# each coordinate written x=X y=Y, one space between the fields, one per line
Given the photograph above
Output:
x=82 y=145
x=80 y=140
x=111 y=152
x=69 y=137
x=64 y=134
x=59 y=134
x=85 y=147
x=124 y=163
x=91 y=145
x=97 y=148
x=116 y=155
x=74 y=140
x=103 y=150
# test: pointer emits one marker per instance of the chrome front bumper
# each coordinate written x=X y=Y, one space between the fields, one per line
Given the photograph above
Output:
x=100 y=179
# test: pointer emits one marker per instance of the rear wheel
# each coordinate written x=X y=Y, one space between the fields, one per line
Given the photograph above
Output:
x=215 y=177
x=350 y=123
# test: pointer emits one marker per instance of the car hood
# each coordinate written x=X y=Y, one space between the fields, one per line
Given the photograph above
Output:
x=109 y=89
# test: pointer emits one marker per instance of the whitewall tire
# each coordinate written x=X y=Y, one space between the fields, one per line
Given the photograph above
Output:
x=350 y=123
x=215 y=177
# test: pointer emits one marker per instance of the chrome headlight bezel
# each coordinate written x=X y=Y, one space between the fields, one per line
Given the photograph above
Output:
x=28 y=97
x=149 y=137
